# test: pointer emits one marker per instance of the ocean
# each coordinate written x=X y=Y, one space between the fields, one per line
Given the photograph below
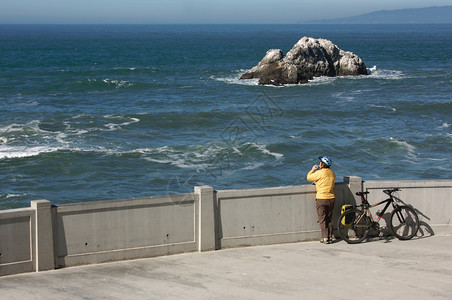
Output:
x=99 y=112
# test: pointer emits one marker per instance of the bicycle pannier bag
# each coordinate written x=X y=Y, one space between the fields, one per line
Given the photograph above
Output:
x=350 y=217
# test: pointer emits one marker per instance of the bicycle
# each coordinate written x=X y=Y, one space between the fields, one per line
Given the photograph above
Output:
x=355 y=223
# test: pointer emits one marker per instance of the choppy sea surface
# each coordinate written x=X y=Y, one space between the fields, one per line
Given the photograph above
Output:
x=91 y=113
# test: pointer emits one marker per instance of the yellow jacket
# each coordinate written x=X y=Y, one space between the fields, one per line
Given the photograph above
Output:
x=324 y=182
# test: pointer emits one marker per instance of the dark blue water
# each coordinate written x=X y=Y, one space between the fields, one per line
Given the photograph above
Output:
x=106 y=112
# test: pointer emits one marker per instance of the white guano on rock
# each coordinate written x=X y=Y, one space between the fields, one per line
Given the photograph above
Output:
x=308 y=58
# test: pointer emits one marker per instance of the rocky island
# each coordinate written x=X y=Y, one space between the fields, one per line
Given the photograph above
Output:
x=309 y=58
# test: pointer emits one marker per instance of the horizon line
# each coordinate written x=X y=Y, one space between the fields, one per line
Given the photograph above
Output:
x=313 y=22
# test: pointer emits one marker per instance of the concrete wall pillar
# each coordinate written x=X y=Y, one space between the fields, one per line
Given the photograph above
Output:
x=206 y=223
x=44 y=248
x=355 y=184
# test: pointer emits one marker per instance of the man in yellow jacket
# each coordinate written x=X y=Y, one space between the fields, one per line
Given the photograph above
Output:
x=324 y=178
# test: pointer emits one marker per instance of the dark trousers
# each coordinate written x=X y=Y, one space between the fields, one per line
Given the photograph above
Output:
x=325 y=214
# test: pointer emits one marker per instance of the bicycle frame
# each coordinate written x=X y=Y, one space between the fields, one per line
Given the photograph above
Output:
x=366 y=207
x=387 y=201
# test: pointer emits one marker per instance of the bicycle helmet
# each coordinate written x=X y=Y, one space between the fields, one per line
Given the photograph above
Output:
x=326 y=160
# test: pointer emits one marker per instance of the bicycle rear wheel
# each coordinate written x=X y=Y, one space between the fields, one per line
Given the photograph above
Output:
x=353 y=226
x=404 y=222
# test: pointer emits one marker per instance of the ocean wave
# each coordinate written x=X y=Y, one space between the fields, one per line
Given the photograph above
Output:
x=322 y=80
x=116 y=126
x=77 y=134
x=89 y=123
x=253 y=166
x=113 y=71
x=195 y=157
x=30 y=126
x=386 y=150
x=444 y=125
x=10 y=200
x=117 y=83
x=235 y=79
x=11 y=152
x=209 y=156
x=411 y=151
x=61 y=131
x=23 y=151
x=134 y=70
x=263 y=149
x=373 y=73
x=189 y=157
x=87 y=84
x=386 y=107
x=25 y=104
x=106 y=82
x=344 y=97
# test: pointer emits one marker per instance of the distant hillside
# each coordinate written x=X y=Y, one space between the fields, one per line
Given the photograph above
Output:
x=428 y=15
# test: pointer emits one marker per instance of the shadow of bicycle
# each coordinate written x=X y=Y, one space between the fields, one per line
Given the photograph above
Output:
x=425 y=230
x=385 y=234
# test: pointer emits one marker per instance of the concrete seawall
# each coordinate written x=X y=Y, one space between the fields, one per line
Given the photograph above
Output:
x=45 y=237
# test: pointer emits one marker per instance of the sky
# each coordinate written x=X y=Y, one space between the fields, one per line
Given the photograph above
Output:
x=193 y=11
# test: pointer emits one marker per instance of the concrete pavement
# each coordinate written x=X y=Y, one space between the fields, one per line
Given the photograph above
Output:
x=381 y=268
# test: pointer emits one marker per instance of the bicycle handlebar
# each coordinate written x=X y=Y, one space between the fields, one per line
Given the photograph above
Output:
x=362 y=193
x=389 y=192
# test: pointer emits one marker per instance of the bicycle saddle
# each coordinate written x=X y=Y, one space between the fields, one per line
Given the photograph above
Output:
x=362 y=193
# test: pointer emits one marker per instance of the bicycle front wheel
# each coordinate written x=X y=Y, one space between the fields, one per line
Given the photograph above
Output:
x=404 y=222
x=353 y=226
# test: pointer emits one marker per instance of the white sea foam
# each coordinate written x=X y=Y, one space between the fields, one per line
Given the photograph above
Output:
x=411 y=150
x=9 y=196
x=80 y=131
x=125 y=68
x=202 y=158
x=23 y=151
x=251 y=166
x=33 y=125
x=445 y=159
x=81 y=116
x=13 y=151
x=345 y=97
x=383 y=106
x=370 y=70
x=235 y=79
x=180 y=159
x=32 y=103
x=374 y=72
x=118 y=83
x=178 y=162
x=113 y=82
x=322 y=80
x=61 y=138
x=264 y=150
x=115 y=126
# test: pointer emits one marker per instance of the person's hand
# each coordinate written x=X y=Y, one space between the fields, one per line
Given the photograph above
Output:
x=315 y=168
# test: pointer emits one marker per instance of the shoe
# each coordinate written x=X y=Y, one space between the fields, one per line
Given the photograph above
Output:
x=326 y=241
